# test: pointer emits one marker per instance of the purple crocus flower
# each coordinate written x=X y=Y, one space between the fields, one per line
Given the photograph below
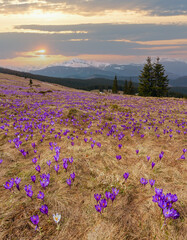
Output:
x=184 y=150
x=143 y=181
x=1 y=160
x=115 y=191
x=56 y=158
x=107 y=195
x=33 y=145
x=137 y=151
x=155 y=198
x=49 y=163
x=152 y=165
x=44 y=182
x=44 y=209
x=17 y=182
x=71 y=160
x=158 y=191
x=118 y=157
x=28 y=187
x=29 y=193
x=34 y=160
x=168 y=197
x=161 y=155
x=97 y=197
x=98 y=208
x=99 y=144
x=38 y=168
x=65 y=166
x=174 y=198
x=35 y=220
x=112 y=196
x=69 y=181
x=33 y=178
x=175 y=214
x=92 y=145
x=40 y=195
x=162 y=204
x=9 y=185
x=103 y=203
x=182 y=157
x=167 y=212
x=72 y=175
x=56 y=168
x=126 y=175
x=152 y=182
x=148 y=158
x=120 y=146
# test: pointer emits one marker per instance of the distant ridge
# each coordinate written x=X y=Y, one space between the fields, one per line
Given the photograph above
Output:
x=78 y=68
x=93 y=83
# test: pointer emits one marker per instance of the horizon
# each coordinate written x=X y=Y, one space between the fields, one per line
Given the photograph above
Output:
x=37 y=34
x=90 y=63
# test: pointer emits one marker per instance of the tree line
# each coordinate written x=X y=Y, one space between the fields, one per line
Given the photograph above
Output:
x=152 y=81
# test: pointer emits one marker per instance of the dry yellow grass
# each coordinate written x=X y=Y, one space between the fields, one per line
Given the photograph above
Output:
x=132 y=215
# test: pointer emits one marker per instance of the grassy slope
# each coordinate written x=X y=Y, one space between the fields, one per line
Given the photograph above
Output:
x=132 y=215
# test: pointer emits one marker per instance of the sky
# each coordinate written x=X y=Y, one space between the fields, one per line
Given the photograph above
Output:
x=37 y=33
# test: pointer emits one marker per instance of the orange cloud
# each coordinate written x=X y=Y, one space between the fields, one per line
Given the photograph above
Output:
x=155 y=42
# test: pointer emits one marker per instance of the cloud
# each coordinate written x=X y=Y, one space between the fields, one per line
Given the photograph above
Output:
x=95 y=7
x=109 y=32
x=94 y=39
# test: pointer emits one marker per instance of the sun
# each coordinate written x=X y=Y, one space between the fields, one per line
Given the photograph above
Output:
x=40 y=52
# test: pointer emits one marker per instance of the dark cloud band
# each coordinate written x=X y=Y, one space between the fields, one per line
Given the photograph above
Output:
x=95 y=7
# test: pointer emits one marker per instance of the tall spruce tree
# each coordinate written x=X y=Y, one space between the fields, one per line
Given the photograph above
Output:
x=125 y=90
x=146 y=79
x=160 y=80
x=115 y=85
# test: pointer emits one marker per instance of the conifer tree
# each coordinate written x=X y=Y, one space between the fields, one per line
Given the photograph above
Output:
x=146 y=79
x=115 y=85
x=125 y=90
x=130 y=87
x=160 y=80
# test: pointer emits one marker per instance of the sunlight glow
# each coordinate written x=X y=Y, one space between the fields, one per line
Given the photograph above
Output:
x=41 y=51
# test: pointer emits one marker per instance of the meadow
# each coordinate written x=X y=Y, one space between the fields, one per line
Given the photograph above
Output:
x=77 y=165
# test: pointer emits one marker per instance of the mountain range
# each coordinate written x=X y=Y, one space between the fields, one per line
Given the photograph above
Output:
x=81 y=69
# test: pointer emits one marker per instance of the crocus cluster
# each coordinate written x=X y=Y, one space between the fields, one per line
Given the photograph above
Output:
x=45 y=179
x=144 y=181
x=9 y=184
x=41 y=118
x=165 y=202
x=28 y=190
x=103 y=202
x=69 y=180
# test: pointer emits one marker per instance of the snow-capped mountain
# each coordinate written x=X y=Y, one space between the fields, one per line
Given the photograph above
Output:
x=79 y=63
x=82 y=69
x=78 y=68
